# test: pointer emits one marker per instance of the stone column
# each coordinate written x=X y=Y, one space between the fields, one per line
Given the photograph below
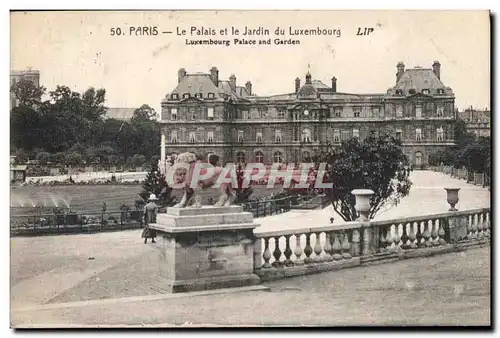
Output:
x=162 y=148
x=207 y=248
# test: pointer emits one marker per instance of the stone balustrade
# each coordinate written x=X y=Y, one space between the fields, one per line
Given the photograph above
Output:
x=294 y=252
x=480 y=179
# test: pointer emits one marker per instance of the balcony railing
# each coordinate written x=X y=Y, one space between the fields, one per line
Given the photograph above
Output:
x=310 y=250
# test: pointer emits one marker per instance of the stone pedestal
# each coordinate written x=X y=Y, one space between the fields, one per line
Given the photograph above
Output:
x=206 y=248
x=456 y=228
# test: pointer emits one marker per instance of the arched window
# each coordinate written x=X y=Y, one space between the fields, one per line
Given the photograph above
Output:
x=259 y=156
x=240 y=157
x=306 y=157
x=278 y=157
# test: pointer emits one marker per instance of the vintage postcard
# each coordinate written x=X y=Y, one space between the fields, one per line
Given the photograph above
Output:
x=250 y=168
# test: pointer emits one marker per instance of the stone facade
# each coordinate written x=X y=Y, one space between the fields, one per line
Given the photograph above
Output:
x=26 y=75
x=478 y=121
x=206 y=115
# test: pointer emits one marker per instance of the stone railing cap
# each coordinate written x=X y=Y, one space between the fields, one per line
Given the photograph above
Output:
x=452 y=188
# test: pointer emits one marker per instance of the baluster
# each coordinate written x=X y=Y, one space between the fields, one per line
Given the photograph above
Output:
x=356 y=243
x=474 y=226
x=298 y=250
x=404 y=237
x=267 y=254
x=346 y=246
x=337 y=248
x=470 y=220
x=420 y=242
x=328 y=247
x=276 y=252
x=480 y=233
x=396 y=238
x=288 y=252
x=486 y=224
x=308 y=249
x=427 y=234
x=317 y=247
x=441 y=232
x=412 y=236
x=381 y=242
x=388 y=238
x=434 y=232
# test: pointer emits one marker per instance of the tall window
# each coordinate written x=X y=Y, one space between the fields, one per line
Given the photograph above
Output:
x=440 y=134
x=418 y=111
x=173 y=113
x=399 y=110
x=245 y=114
x=210 y=113
x=357 y=111
x=173 y=136
x=192 y=137
x=240 y=136
x=306 y=135
x=164 y=114
x=375 y=112
x=336 y=136
x=355 y=133
x=281 y=113
x=278 y=157
x=192 y=113
x=240 y=157
x=262 y=112
x=338 y=111
x=277 y=136
x=259 y=137
x=418 y=134
x=210 y=136
x=259 y=156
x=440 y=111
x=345 y=135
x=399 y=134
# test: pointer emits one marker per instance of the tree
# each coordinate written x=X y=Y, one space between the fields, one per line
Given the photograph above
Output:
x=27 y=93
x=43 y=157
x=143 y=113
x=73 y=158
x=376 y=163
x=21 y=156
x=155 y=183
x=138 y=160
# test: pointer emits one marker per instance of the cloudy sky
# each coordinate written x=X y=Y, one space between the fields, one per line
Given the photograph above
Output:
x=77 y=49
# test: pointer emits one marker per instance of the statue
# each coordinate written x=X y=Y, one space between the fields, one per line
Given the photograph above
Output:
x=227 y=193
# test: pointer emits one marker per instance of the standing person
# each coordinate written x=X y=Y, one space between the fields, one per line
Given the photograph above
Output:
x=150 y=210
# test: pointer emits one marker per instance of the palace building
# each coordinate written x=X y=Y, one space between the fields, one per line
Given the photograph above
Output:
x=205 y=114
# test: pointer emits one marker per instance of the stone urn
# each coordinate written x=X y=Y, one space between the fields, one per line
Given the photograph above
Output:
x=363 y=202
x=452 y=197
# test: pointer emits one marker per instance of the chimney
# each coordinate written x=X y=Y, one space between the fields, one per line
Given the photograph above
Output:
x=436 y=68
x=181 y=74
x=334 y=84
x=248 y=87
x=232 y=82
x=214 y=75
x=401 y=70
x=297 y=85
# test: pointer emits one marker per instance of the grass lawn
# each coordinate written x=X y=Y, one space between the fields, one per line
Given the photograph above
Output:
x=89 y=198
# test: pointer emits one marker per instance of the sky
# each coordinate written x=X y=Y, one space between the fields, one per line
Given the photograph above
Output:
x=77 y=49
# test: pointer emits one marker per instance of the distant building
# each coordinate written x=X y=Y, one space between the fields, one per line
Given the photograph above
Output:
x=122 y=114
x=26 y=75
x=205 y=114
x=478 y=121
x=18 y=173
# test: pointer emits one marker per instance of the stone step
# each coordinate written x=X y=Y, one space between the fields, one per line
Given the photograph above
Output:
x=204 y=210
x=203 y=220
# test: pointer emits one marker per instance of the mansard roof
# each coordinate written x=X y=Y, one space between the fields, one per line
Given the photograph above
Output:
x=197 y=83
x=417 y=80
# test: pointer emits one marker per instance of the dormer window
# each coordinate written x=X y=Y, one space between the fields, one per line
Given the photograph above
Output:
x=399 y=92
x=198 y=95
x=425 y=91
x=211 y=95
x=186 y=96
x=175 y=96
x=440 y=91
x=411 y=91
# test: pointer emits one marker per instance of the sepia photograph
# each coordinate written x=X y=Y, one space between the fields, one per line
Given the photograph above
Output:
x=245 y=168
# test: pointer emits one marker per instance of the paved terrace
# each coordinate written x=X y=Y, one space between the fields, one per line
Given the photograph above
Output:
x=448 y=289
